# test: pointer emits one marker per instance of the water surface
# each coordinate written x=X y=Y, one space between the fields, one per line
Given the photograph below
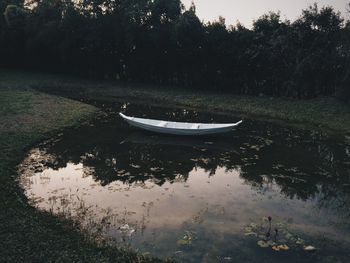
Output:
x=193 y=198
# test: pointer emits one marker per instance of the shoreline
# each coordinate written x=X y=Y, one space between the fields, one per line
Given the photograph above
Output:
x=26 y=233
x=30 y=114
x=325 y=114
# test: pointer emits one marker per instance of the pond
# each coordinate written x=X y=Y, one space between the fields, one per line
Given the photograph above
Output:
x=261 y=193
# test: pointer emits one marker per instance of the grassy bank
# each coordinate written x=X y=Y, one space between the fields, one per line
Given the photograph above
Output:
x=27 y=235
x=28 y=116
x=320 y=113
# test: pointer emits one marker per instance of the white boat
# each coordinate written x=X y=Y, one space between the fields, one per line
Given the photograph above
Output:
x=179 y=128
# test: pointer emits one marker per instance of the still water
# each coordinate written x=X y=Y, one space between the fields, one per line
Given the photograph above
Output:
x=262 y=193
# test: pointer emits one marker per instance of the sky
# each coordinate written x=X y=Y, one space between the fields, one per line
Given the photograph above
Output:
x=246 y=11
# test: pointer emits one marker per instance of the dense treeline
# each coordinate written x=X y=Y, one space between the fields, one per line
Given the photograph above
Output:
x=160 y=42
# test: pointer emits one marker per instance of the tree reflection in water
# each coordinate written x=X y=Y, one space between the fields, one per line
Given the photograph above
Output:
x=301 y=165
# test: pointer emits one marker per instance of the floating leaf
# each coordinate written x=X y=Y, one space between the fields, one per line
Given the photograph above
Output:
x=187 y=239
x=300 y=241
x=271 y=243
x=283 y=247
x=280 y=247
x=310 y=248
x=248 y=229
x=183 y=242
x=263 y=244
x=253 y=225
x=280 y=239
x=276 y=248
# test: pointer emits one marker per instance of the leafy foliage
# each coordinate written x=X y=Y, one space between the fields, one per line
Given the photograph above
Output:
x=160 y=42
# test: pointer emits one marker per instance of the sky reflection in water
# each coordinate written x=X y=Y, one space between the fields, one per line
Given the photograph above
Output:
x=147 y=191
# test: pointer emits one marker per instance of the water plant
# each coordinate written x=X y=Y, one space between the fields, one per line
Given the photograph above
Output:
x=187 y=238
x=280 y=239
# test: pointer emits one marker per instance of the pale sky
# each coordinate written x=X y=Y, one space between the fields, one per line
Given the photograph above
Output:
x=247 y=10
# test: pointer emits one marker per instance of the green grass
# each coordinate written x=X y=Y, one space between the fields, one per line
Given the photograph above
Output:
x=26 y=234
x=321 y=113
x=28 y=116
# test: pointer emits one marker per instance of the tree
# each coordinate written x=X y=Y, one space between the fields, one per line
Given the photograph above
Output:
x=15 y=17
x=317 y=59
x=12 y=21
x=190 y=40
x=158 y=41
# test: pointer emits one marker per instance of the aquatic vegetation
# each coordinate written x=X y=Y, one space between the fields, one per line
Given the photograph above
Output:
x=310 y=248
x=143 y=191
x=281 y=239
x=187 y=238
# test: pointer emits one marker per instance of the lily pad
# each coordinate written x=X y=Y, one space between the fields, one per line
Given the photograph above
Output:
x=280 y=247
x=263 y=244
x=300 y=241
x=183 y=242
x=248 y=229
x=283 y=247
x=271 y=243
x=275 y=235
x=187 y=239
x=310 y=248
x=254 y=225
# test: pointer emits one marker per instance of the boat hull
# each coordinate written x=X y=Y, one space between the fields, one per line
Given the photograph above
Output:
x=140 y=123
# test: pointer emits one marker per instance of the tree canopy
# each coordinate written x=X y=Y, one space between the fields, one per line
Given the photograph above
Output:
x=160 y=42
